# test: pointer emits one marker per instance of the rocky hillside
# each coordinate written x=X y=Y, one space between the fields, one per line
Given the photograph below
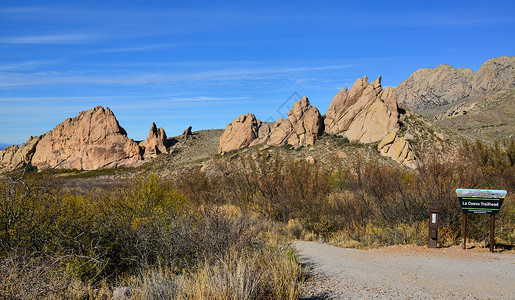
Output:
x=489 y=117
x=429 y=88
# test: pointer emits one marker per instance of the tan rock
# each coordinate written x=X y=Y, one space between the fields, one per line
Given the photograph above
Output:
x=397 y=148
x=187 y=132
x=303 y=126
x=155 y=142
x=388 y=139
x=311 y=160
x=494 y=75
x=341 y=155
x=239 y=133
x=365 y=114
x=90 y=141
x=14 y=157
x=440 y=135
x=427 y=88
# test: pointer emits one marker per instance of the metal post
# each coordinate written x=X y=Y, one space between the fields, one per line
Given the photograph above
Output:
x=492 y=232
x=464 y=231
x=433 y=227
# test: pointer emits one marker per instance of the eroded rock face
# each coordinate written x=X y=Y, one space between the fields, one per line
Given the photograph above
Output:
x=365 y=114
x=494 y=75
x=428 y=88
x=90 y=141
x=302 y=128
x=16 y=157
x=155 y=142
x=397 y=148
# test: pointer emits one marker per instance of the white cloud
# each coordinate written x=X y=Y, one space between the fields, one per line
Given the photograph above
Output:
x=72 y=38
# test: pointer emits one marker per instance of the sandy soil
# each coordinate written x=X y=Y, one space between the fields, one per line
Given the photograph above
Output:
x=406 y=272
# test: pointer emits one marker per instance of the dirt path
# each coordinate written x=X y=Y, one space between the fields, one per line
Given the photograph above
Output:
x=406 y=272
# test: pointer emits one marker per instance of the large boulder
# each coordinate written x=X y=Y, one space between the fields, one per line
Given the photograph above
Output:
x=365 y=114
x=90 y=141
x=397 y=148
x=155 y=142
x=239 y=133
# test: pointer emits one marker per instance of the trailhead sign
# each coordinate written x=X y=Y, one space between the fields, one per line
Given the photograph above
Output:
x=480 y=201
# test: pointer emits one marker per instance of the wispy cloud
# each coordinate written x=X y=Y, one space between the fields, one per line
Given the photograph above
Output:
x=161 y=98
x=72 y=38
x=203 y=77
x=27 y=65
x=135 y=49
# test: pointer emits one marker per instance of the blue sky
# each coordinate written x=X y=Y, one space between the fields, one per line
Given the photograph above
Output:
x=204 y=63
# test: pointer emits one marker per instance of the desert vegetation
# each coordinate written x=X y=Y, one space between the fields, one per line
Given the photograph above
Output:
x=225 y=236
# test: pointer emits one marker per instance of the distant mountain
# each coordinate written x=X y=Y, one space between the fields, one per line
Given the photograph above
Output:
x=429 y=88
x=481 y=104
x=2 y=146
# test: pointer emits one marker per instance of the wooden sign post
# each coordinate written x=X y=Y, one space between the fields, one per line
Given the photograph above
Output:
x=480 y=202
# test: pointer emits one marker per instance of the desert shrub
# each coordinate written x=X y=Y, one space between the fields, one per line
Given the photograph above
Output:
x=390 y=197
x=70 y=244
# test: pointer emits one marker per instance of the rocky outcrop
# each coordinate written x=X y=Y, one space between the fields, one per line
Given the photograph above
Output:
x=365 y=114
x=429 y=88
x=239 y=133
x=398 y=148
x=92 y=140
x=302 y=128
x=187 y=132
x=155 y=142
x=495 y=74
x=15 y=157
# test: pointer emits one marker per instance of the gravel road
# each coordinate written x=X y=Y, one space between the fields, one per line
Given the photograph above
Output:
x=406 y=272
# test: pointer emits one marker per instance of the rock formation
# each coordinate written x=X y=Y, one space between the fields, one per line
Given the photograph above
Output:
x=428 y=88
x=365 y=114
x=302 y=128
x=155 y=142
x=398 y=148
x=239 y=133
x=187 y=132
x=90 y=141
x=14 y=157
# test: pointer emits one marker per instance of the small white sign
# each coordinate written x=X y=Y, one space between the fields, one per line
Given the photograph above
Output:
x=433 y=218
